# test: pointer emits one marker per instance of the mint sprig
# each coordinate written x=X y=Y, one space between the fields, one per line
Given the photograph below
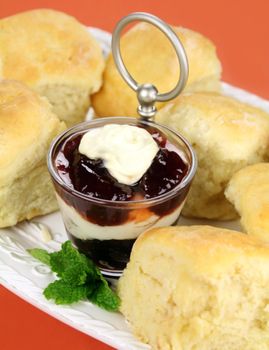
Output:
x=40 y=254
x=79 y=278
x=64 y=293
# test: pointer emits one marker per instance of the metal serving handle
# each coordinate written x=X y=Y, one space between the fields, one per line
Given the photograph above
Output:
x=147 y=93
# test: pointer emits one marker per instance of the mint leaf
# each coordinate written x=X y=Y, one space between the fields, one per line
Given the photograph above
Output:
x=70 y=265
x=103 y=295
x=79 y=278
x=62 y=293
x=40 y=254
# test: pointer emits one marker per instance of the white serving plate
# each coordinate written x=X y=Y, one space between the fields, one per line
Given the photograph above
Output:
x=26 y=277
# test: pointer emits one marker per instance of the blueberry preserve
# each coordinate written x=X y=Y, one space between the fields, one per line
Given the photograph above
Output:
x=104 y=217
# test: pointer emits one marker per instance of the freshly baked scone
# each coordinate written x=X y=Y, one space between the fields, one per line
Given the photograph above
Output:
x=198 y=288
x=227 y=135
x=27 y=126
x=55 y=55
x=150 y=58
x=248 y=190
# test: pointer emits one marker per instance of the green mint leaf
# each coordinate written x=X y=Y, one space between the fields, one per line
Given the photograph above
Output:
x=40 y=254
x=62 y=293
x=104 y=297
x=79 y=279
x=70 y=265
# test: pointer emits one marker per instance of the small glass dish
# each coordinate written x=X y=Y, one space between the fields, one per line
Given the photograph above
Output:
x=105 y=230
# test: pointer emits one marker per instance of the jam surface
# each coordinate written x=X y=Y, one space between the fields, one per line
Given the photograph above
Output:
x=91 y=178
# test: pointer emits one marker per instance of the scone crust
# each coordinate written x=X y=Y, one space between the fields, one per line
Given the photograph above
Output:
x=248 y=190
x=27 y=197
x=27 y=126
x=212 y=248
x=42 y=47
x=226 y=135
x=197 y=288
x=231 y=129
x=150 y=58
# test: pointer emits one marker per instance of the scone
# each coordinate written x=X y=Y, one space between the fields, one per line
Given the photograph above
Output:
x=227 y=135
x=150 y=58
x=27 y=126
x=248 y=190
x=55 y=55
x=198 y=288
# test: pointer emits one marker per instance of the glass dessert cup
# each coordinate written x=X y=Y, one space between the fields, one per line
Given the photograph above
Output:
x=103 y=229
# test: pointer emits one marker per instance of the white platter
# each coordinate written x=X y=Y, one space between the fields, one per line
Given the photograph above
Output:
x=26 y=277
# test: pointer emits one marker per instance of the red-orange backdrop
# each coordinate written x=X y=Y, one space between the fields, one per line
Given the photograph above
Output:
x=240 y=30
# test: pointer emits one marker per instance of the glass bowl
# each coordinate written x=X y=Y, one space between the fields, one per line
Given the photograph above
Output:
x=105 y=230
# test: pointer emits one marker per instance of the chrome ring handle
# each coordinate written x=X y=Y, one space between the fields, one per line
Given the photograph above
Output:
x=147 y=93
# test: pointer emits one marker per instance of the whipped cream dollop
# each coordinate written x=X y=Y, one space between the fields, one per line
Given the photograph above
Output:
x=127 y=151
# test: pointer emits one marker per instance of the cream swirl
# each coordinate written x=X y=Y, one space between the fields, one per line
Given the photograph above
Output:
x=127 y=151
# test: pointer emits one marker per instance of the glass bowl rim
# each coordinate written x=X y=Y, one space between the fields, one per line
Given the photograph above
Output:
x=111 y=203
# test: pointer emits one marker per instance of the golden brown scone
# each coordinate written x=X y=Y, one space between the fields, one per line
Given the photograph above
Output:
x=248 y=190
x=27 y=126
x=55 y=55
x=150 y=58
x=198 y=288
x=227 y=135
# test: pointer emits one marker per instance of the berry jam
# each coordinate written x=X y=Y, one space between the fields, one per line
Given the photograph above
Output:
x=91 y=178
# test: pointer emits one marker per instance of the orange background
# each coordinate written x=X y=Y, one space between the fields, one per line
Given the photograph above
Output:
x=240 y=30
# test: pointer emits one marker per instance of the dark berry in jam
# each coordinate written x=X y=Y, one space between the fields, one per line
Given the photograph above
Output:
x=109 y=254
x=90 y=176
x=166 y=171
